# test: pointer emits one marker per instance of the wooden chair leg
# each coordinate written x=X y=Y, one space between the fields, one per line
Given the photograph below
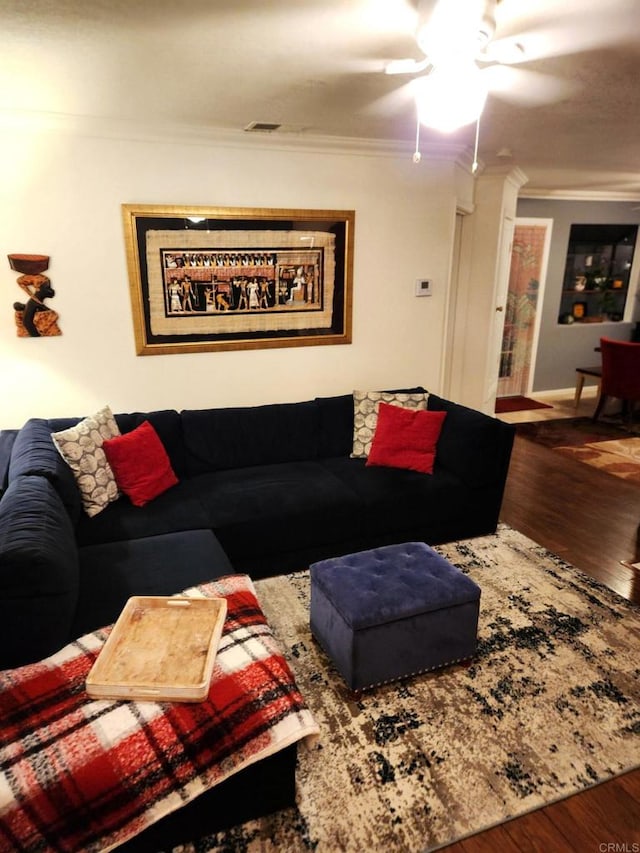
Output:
x=600 y=405
x=627 y=411
x=579 y=387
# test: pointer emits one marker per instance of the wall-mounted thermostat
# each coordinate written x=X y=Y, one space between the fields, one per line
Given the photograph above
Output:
x=423 y=287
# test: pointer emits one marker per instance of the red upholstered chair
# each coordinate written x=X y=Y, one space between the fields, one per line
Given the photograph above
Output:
x=620 y=374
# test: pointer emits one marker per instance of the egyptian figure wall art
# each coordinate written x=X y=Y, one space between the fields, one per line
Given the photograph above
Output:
x=33 y=317
x=206 y=279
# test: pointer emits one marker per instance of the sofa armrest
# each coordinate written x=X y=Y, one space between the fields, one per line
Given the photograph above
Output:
x=38 y=572
x=472 y=445
x=35 y=454
x=7 y=438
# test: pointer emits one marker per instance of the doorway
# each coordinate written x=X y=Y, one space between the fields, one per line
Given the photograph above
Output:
x=527 y=278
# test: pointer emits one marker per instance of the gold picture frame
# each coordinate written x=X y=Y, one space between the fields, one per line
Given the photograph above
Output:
x=205 y=279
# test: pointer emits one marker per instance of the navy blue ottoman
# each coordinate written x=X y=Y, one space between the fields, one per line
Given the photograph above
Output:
x=392 y=612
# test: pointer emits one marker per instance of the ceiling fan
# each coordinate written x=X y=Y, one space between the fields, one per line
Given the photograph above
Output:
x=454 y=27
x=529 y=54
x=450 y=86
x=464 y=60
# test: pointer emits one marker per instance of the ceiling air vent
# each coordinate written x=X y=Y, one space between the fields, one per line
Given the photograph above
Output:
x=262 y=127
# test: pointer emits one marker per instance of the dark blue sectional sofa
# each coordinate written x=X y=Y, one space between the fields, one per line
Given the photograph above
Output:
x=262 y=490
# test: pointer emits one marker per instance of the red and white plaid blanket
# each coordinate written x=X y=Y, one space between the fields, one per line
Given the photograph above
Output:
x=83 y=774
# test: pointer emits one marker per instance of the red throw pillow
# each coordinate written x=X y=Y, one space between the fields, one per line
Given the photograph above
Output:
x=140 y=464
x=406 y=438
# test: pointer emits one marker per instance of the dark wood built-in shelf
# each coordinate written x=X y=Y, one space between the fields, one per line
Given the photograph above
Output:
x=599 y=256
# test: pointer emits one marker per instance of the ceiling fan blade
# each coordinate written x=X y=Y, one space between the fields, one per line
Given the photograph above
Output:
x=544 y=31
x=532 y=88
x=506 y=51
x=406 y=66
x=392 y=102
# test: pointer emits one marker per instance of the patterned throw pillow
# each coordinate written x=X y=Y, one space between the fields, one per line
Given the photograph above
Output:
x=365 y=414
x=81 y=448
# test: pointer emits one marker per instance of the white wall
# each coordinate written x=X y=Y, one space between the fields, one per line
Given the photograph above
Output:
x=61 y=196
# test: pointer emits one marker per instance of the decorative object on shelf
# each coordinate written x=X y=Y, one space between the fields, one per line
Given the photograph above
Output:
x=580 y=283
x=206 y=279
x=33 y=318
x=579 y=310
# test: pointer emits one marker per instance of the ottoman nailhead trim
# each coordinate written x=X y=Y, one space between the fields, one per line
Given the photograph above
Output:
x=397 y=678
x=413 y=674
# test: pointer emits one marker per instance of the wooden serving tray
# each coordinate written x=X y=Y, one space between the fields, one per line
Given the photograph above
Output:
x=160 y=649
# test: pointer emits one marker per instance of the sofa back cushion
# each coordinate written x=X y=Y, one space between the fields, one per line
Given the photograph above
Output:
x=336 y=425
x=38 y=572
x=221 y=439
x=336 y=422
x=168 y=424
x=35 y=454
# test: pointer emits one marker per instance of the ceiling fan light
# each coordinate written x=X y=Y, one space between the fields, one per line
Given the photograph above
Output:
x=454 y=29
x=450 y=97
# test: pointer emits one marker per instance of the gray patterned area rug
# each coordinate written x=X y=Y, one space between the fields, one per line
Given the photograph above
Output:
x=550 y=706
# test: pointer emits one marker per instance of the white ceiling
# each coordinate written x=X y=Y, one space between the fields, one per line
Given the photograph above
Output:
x=316 y=67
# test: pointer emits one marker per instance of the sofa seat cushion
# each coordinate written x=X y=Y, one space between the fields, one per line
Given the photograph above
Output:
x=38 y=572
x=409 y=491
x=395 y=499
x=175 y=510
x=156 y=565
x=277 y=508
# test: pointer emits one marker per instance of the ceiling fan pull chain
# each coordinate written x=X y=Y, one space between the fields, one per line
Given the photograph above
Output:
x=474 y=165
x=417 y=156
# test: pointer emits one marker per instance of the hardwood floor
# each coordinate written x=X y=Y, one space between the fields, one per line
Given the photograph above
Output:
x=592 y=520
x=588 y=517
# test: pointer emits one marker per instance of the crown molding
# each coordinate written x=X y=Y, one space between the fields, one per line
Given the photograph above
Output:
x=295 y=139
x=512 y=174
x=300 y=139
x=580 y=195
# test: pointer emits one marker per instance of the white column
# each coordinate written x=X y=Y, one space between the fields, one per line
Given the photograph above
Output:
x=483 y=280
